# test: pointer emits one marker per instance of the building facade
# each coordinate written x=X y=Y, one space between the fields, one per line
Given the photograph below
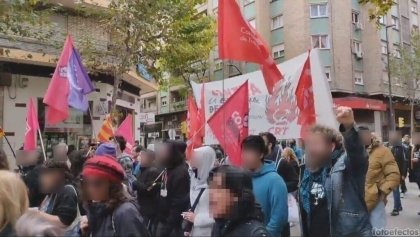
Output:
x=353 y=49
x=353 y=52
x=26 y=69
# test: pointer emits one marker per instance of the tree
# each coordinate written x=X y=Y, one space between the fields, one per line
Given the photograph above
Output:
x=405 y=66
x=186 y=56
x=377 y=8
x=19 y=18
x=166 y=36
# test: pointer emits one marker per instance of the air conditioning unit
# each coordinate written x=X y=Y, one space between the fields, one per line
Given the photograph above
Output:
x=359 y=54
x=359 y=26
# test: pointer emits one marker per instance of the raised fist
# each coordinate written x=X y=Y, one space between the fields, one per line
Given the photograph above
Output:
x=345 y=116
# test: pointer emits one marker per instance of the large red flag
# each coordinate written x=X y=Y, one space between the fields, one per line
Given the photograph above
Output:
x=305 y=98
x=32 y=127
x=230 y=123
x=126 y=130
x=238 y=40
x=194 y=126
x=57 y=94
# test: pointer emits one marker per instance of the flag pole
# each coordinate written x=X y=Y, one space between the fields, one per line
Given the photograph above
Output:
x=91 y=122
x=42 y=144
x=10 y=146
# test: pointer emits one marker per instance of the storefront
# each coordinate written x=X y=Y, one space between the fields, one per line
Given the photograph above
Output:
x=368 y=112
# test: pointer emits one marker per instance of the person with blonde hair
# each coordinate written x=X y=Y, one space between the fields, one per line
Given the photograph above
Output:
x=4 y=164
x=13 y=201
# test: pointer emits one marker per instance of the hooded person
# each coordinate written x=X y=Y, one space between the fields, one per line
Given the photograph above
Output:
x=202 y=163
x=269 y=187
x=175 y=188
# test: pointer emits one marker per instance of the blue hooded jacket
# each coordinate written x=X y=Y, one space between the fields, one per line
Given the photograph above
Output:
x=271 y=193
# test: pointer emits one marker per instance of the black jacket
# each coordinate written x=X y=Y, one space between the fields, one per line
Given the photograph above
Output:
x=30 y=176
x=400 y=156
x=125 y=220
x=63 y=204
x=177 y=198
x=289 y=172
x=148 y=199
x=7 y=231
x=243 y=224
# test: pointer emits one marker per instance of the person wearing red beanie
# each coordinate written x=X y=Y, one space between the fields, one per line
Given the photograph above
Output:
x=111 y=211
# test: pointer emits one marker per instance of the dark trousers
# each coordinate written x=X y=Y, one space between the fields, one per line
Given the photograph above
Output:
x=403 y=186
x=164 y=230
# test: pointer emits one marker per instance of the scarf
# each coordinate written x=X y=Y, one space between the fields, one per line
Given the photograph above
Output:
x=318 y=177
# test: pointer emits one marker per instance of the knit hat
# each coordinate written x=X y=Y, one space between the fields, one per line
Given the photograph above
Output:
x=106 y=149
x=105 y=167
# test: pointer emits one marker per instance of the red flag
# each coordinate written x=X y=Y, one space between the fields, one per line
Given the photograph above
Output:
x=32 y=127
x=230 y=123
x=126 y=130
x=240 y=41
x=56 y=96
x=194 y=127
x=305 y=98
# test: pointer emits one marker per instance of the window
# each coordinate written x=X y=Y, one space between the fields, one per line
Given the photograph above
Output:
x=276 y=22
x=415 y=29
x=278 y=51
x=395 y=22
x=252 y=23
x=218 y=64
x=328 y=73
x=318 y=10
x=320 y=42
x=382 y=20
x=358 y=78
x=357 y=46
x=384 y=47
x=163 y=100
x=355 y=17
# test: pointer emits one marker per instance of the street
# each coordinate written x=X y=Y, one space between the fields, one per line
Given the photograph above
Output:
x=408 y=218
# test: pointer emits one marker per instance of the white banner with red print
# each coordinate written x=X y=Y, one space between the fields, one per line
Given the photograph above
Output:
x=279 y=113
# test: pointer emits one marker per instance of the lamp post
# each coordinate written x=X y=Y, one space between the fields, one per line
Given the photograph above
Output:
x=391 y=107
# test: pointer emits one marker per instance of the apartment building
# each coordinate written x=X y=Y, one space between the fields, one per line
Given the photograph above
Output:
x=353 y=49
x=27 y=66
x=353 y=52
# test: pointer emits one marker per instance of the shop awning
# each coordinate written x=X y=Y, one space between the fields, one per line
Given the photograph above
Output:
x=361 y=103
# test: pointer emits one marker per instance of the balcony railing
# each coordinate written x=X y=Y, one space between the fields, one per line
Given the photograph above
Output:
x=178 y=106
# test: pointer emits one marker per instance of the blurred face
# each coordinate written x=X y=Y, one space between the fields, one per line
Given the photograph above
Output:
x=221 y=200
x=251 y=159
x=60 y=151
x=146 y=160
x=96 y=188
x=366 y=137
x=318 y=150
x=406 y=139
x=394 y=137
x=162 y=154
x=50 y=180
x=27 y=158
x=194 y=162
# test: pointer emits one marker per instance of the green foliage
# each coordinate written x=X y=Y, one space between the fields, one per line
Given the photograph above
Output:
x=406 y=65
x=377 y=8
x=19 y=18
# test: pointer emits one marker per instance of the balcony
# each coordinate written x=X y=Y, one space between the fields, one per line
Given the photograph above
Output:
x=178 y=106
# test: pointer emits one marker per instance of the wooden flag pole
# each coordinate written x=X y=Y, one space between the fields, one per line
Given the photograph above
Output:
x=42 y=144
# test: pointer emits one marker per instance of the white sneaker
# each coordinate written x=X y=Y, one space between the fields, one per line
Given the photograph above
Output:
x=402 y=195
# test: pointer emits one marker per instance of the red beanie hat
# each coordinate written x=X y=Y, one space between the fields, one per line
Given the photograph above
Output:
x=105 y=167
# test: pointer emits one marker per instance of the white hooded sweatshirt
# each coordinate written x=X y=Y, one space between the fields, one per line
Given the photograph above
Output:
x=203 y=222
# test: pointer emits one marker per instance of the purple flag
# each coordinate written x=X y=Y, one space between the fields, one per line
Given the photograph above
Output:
x=79 y=81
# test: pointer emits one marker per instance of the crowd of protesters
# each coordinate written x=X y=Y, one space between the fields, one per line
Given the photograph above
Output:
x=336 y=185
